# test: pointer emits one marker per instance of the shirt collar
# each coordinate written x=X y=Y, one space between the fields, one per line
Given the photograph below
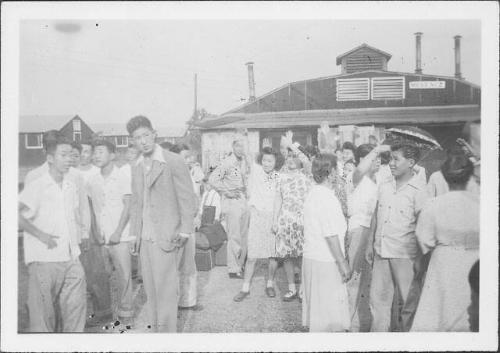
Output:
x=112 y=175
x=413 y=182
x=156 y=156
x=49 y=181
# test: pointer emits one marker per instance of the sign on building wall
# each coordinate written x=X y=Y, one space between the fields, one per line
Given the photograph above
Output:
x=427 y=84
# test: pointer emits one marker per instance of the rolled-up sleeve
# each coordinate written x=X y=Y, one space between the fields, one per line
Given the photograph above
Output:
x=29 y=197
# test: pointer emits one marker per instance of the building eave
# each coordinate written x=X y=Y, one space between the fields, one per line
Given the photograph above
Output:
x=362 y=116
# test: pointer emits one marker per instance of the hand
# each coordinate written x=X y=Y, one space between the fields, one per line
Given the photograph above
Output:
x=345 y=270
x=197 y=222
x=114 y=238
x=289 y=136
x=180 y=241
x=369 y=256
x=48 y=240
x=324 y=128
x=97 y=236
x=266 y=143
x=286 y=140
x=134 y=246
x=85 y=244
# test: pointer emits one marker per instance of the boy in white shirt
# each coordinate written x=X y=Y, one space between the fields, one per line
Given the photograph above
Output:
x=110 y=192
x=361 y=205
x=86 y=168
x=48 y=209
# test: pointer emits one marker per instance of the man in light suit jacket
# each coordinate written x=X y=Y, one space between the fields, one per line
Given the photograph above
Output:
x=162 y=214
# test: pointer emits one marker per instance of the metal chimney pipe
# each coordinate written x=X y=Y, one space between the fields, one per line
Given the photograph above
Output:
x=251 y=82
x=418 y=42
x=458 y=74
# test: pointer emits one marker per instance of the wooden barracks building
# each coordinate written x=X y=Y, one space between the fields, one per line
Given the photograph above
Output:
x=364 y=99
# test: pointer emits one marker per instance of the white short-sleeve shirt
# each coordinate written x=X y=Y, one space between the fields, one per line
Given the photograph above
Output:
x=52 y=208
x=323 y=218
x=107 y=198
x=361 y=203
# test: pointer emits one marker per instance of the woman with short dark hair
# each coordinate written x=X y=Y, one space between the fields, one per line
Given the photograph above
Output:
x=325 y=269
x=449 y=228
x=288 y=224
x=262 y=184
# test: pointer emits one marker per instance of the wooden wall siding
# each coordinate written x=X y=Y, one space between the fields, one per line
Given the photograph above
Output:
x=321 y=94
x=362 y=60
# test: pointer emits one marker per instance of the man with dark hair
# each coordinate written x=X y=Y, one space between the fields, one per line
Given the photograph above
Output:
x=76 y=151
x=229 y=179
x=472 y=136
x=86 y=167
x=163 y=208
x=47 y=139
x=48 y=208
x=396 y=250
x=110 y=191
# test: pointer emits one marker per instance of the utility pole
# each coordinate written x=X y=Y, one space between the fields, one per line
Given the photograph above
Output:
x=251 y=82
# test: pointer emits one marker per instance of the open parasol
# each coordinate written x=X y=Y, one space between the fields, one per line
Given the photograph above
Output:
x=412 y=135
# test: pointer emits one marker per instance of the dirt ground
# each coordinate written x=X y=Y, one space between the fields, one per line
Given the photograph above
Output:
x=219 y=313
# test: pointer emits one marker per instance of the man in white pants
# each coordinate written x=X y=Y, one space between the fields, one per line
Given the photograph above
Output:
x=110 y=192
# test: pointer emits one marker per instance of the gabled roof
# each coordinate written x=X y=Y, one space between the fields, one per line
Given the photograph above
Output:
x=431 y=76
x=364 y=45
x=42 y=123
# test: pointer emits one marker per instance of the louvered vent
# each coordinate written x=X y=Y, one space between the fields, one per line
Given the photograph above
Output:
x=354 y=89
x=388 y=88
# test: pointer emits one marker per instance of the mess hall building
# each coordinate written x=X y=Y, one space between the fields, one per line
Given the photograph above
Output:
x=364 y=99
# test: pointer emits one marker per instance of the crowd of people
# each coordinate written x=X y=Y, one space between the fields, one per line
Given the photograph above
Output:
x=338 y=220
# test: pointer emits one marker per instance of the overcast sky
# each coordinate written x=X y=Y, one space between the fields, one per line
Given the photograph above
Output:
x=109 y=71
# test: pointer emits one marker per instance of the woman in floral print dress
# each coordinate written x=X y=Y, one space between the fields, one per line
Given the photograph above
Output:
x=288 y=218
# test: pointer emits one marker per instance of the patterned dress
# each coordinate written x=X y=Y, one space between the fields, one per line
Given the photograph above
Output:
x=290 y=235
x=341 y=190
x=262 y=190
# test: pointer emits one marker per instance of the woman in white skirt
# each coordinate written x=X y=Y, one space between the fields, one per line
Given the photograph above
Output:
x=262 y=186
x=449 y=228
x=325 y=270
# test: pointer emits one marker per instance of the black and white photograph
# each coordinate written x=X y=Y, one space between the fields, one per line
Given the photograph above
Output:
x=275 y=176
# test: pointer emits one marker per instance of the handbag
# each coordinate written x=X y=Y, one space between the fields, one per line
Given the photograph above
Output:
x=208 y=211
x=215 y=233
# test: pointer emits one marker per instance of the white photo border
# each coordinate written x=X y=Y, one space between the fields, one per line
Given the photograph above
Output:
x=486 y=12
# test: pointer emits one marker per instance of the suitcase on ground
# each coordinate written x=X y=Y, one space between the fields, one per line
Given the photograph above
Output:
x=221 y=255
x=205 y=259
